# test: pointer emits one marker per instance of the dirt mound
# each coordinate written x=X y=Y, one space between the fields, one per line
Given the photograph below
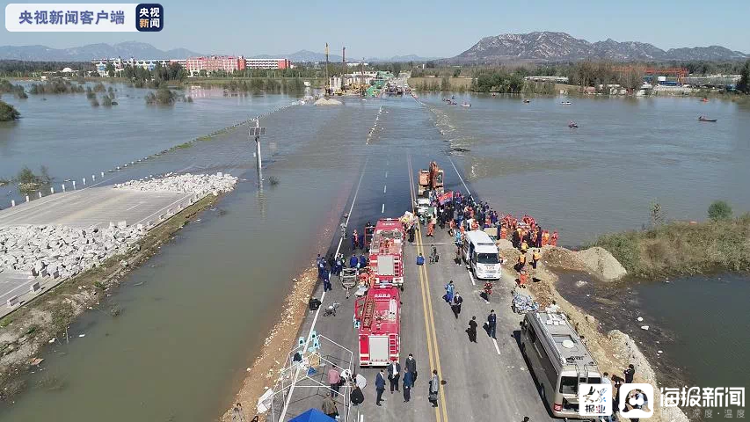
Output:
x=600 y=261
x=561 y=258
x=327 y=101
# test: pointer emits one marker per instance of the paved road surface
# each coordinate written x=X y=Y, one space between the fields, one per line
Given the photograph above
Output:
x=484 y=381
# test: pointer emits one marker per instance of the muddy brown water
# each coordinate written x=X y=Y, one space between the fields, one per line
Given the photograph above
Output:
x=195 y=314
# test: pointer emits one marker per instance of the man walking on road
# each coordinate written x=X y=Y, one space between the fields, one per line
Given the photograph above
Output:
x=329 y=407
x=492 y=324
x=379 y=387
x=456 y=306
x=408 y=383
x=434 y=388
x=394 y=372
x=411 y=366
x=327 y=280
x=472 y=330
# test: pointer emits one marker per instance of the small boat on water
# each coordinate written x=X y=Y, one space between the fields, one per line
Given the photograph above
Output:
x=573 y=125
x=465 y=104
x=704 y=100
x=565 y=102
x=526 y=101
x=706 y=119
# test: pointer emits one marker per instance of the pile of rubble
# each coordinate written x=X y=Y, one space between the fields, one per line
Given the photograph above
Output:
x=60 y=251
x=200 y=184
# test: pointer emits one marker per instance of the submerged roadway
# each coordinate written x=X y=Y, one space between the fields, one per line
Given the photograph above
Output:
x=484 y=381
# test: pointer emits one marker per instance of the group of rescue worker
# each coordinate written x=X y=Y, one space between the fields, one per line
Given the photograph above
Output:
x=465 y=213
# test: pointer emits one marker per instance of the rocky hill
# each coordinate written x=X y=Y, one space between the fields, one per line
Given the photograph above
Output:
x=560 y=46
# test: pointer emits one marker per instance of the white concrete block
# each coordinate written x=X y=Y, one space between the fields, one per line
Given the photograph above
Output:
x=35 y=287
x=13 y=302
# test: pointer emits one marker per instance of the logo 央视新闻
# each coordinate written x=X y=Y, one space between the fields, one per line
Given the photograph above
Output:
x=149 y=17
x=594 y=399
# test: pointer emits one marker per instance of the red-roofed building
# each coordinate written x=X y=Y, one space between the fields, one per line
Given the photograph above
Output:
x=213 y=63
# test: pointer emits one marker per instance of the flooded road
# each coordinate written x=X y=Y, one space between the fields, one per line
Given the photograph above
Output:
x=194 y=316
x=74 y=140
x=602 y=176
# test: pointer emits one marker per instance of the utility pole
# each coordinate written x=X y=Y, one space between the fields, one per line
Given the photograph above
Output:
x=343 y=69
x=255 y=132
x=362 y=77
x=326 y=84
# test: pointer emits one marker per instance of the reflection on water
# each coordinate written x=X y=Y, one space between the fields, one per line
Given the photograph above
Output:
x=602 y=176
x=74 y=139
x=194 y=314
x=700 y=324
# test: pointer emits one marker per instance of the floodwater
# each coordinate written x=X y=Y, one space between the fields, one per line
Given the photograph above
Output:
x=195 y=314
x=192 y=316
x=602 y=176
x=697 y=326
x=74 y=140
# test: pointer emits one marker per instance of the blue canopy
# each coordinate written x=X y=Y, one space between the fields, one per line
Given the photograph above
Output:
x=313 y=415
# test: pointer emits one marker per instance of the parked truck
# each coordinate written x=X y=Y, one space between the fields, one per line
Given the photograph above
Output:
x=378 y=318
x=387 y=252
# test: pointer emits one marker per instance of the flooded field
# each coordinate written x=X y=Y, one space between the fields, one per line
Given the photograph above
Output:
x=196 y=313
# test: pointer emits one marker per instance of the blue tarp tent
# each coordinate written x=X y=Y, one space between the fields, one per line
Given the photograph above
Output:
x=313 y=415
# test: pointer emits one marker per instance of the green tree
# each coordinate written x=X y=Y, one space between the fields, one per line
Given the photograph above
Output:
x=110 y=69
x=744 y=84
x=719 y=210
x=8 y=112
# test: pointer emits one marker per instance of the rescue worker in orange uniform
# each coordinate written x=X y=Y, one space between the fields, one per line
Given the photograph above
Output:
x=553 y=240
x=522 y=278
x=545 y=238
x=524 y=247
x=521 y=262
x=535 y=258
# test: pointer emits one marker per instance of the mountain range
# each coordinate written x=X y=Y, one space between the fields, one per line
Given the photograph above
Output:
x=91 y=52
x=560 y=46
x=147 y=51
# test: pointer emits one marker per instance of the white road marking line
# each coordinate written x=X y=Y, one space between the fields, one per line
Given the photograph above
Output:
x=459 y=175
x=384 y=187
x=472 y=279
x=496 y=346
x=323 y=296
x=386 y=174
x=382 y=209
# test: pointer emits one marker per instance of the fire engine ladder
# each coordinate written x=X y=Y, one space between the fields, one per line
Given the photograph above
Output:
x=368 y=313
x=393 y=346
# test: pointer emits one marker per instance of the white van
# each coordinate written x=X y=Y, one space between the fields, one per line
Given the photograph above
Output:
x=481 y=255
x=559 y=359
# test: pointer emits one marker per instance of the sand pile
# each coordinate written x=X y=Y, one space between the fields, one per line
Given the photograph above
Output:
x=327 y=102
x=602 y=262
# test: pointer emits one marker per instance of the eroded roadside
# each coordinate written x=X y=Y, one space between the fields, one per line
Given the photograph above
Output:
x=25 y=332
x=263 y=372
x=613 y=350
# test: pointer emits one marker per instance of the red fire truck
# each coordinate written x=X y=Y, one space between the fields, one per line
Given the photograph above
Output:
x=386 y=252
x=378 y=317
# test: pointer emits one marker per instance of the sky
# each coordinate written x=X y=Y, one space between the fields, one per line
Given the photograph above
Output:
x=435 y=28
